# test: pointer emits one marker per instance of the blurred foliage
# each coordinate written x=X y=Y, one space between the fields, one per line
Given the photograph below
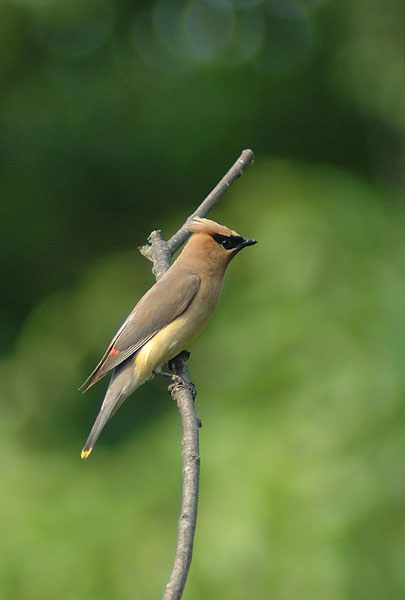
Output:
x=116 y=119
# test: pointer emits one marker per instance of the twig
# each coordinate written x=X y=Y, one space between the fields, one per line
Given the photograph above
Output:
x=219 y=190
x=159 y=252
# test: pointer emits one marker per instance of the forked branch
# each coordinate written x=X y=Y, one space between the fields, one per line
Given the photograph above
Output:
x=160 y=252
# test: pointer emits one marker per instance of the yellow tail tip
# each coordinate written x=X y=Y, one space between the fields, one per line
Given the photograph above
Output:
x=85 y=453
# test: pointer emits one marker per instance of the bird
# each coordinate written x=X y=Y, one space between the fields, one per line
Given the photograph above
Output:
x=167 y=318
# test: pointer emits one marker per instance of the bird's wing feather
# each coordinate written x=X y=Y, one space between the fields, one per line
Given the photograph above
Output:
x=165 y=301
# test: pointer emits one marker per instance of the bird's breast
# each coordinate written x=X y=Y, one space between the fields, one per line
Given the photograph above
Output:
x=176 y=336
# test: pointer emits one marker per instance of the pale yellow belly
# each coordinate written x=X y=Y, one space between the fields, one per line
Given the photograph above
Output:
x=165 y=345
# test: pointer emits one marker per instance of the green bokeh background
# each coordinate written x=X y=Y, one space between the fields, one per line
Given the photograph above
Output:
x=117 y=118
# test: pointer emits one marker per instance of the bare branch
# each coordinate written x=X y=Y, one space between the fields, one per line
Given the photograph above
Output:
x=246 y=158
x=191 y=474
x=159 y=252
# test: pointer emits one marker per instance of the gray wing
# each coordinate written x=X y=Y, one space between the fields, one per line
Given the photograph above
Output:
x=165 y=301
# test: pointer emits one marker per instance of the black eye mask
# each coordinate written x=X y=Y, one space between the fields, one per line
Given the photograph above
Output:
x=228 y=242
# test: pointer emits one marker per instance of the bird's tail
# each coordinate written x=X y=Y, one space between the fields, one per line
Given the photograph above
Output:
x=122 y=384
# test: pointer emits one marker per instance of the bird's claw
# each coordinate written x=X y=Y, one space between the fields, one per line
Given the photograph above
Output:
x=179 y=381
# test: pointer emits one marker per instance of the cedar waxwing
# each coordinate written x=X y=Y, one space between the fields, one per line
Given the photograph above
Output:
x=167 y=318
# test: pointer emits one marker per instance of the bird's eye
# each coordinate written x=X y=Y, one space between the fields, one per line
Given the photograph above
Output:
x=223 y=240
x=228 y=241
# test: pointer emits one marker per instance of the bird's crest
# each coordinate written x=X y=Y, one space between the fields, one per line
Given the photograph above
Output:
x=202 y=225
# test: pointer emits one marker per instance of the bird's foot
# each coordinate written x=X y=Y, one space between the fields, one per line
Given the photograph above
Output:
x=179 y=381
x=159 y=372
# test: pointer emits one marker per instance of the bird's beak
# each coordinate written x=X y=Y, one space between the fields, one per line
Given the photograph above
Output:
x=247 y=242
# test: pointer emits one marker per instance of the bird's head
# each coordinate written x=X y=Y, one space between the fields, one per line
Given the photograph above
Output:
x=219 y=240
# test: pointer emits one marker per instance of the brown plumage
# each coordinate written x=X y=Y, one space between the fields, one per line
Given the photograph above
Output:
x=167 y=318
